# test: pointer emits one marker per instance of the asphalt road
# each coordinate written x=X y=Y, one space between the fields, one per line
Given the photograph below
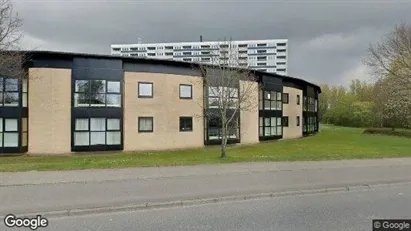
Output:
x=351 y=210
x=52 y=197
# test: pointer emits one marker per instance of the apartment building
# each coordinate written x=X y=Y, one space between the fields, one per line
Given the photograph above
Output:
x=83 y=102
x=263 y=55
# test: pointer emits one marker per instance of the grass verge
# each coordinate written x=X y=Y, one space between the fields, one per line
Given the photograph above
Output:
x=331 y=143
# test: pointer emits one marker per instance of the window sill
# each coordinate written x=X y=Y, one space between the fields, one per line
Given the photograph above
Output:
x=145 y=97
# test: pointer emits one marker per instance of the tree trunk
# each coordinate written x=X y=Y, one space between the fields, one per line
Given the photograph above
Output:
x=223 y=151
x=223 y=144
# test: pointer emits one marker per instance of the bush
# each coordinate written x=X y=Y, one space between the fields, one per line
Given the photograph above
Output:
x=388 y=132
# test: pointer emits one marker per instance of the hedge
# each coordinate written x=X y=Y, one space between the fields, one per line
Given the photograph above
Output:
x=388 y=132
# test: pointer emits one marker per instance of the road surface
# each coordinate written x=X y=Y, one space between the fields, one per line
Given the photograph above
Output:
x=351 y=210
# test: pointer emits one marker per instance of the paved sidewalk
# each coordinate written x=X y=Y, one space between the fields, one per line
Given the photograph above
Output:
x=100 y=175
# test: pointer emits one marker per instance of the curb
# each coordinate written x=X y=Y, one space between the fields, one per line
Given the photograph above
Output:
x=192 y=202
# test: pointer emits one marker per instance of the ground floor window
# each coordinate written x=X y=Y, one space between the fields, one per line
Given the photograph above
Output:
x=97 y=131
x=9 y=132
x=270 y=126
x=145 y=124
x=310 y=124
x=215 y=131
x=186 y=124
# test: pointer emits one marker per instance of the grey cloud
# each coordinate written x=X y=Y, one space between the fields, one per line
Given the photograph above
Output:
x=327 y=38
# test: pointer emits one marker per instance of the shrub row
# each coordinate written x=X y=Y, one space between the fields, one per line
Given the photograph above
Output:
x=388 y=131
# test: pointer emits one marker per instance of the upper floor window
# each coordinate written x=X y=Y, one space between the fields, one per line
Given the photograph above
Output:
x=262 y=58
x=205 y=46
x=262 y=44
x=9 y=92
x=281 y=44
x=271 y=100
x=169 y=47
x=222 y=96
x=285 y=98
x=309 y=104
x=298 y=99
x=145 y=90
x=116 y=49
x=151 y=48
x=186 y=47
x=186 y=91
x=97 y=93
x=261 y=51
x=242 y=45
x=280 y=57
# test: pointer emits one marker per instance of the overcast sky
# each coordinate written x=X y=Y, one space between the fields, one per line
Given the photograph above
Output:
x=327 y=39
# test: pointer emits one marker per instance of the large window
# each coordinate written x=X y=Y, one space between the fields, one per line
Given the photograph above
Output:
x=9 y=92
x=270 y=100
x=145 y=90
x=270 y=126
x=145 y=124
x=186 y=91
x=215 y=131
x=305 y=104
x=97 y=93
x=219 y=96
x=310 y=104
x=298 y=99
x=310 y=124
x=9 y=136
x=97 y=131
x=186 y=124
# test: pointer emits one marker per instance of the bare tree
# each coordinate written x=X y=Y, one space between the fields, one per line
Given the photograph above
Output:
x=390 y=60
x=392 y=53
x=227 y=91
x=11 y=60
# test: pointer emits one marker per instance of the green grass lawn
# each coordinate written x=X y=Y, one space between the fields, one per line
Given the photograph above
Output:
x=331 y=143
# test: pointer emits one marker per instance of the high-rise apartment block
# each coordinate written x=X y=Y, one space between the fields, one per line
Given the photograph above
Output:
x=264 y=55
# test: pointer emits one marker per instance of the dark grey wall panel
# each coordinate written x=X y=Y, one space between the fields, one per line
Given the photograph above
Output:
x=97 y=63
x=97 y=73
x=160 y=68
x=272 y=83
x=51 y=63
